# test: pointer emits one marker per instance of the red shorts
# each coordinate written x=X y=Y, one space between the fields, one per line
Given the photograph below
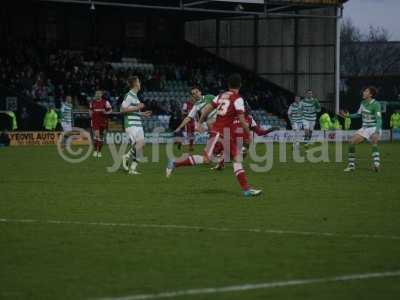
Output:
x=229 y=143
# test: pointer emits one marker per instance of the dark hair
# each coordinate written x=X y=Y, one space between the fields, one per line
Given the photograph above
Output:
x=132 y=80
x=235 y=81
x=372 y=90
x=195 y=87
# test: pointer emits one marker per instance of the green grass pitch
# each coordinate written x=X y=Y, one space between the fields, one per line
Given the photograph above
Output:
x=97 y=234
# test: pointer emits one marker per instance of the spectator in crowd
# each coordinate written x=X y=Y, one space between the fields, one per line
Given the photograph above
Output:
x=24 y=119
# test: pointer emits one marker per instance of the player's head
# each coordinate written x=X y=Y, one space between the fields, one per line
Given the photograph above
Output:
x=235 y=81
x=68 y=99
x=195 y=93
x=297 y=98
x=369 y=92
x=98 y=95
x=309 y=93
x=134 y=82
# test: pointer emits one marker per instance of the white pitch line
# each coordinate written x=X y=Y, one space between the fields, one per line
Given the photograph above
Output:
x=198 y=228
x=257 y=286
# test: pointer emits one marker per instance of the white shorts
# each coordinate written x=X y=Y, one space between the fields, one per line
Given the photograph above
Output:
x=66 y=126
x=135 y=134
x=308 y=124
x=297 y=125
x=367 y=132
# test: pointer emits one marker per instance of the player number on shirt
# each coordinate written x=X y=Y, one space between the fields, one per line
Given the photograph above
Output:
x=223 y=107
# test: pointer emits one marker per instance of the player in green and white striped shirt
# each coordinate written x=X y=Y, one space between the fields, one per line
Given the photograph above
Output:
x=295 y=114
x=200 y=102
x=66 y=118
x=370 y=112
x=131 y=109
x=311 y=107
x=66 y=114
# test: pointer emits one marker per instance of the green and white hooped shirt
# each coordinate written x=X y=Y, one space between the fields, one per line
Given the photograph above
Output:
x=295 y=112
x=370 y=112
x=310 y=108
x=131 y=119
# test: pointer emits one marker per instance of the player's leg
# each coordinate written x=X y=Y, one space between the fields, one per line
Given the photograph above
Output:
x=296 y=130
x=218 y=153
x=67 y=129
x=178 y=136
x=96 y=135
x=191 y=137
x=193 y=160
x=100 y=140
x=239 y=171
x=310 y=132
x=130 y=156
x=306 y=126
x=136 y=154
x=375 y=151
x=357 y=138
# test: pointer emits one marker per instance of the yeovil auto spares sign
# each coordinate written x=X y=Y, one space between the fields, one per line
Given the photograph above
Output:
x=42 y=138
x=32 y=138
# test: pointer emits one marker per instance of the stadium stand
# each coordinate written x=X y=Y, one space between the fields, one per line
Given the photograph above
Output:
x=44 y=75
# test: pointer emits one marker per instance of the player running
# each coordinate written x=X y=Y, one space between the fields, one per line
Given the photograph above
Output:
x=230 y=106
x=98 y=110
x=370 y=112
x=295 y=114
x=200 y=103
x=310 y=107
x=132 y=108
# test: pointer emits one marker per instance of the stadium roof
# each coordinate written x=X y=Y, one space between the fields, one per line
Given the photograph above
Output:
x=215 y=8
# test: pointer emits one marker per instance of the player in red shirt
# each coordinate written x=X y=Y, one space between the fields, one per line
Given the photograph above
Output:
x=190 y=127
x=98 y=110
x=230 y=106
x=243 y=138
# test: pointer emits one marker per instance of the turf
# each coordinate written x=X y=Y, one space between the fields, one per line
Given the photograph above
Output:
x=49 y=260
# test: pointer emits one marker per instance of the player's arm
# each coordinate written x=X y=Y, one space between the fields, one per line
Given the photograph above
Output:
x=128 y=107
x=206 y=111
x=345 y=114
x=132 y=108
x=191 y=116
x=184 y=123
x=290 y=113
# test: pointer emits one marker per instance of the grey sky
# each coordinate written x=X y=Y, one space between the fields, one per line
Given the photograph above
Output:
x=384 y=13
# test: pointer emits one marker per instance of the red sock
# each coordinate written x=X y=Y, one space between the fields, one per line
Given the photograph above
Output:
x=189 y=161
x=241 y=176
